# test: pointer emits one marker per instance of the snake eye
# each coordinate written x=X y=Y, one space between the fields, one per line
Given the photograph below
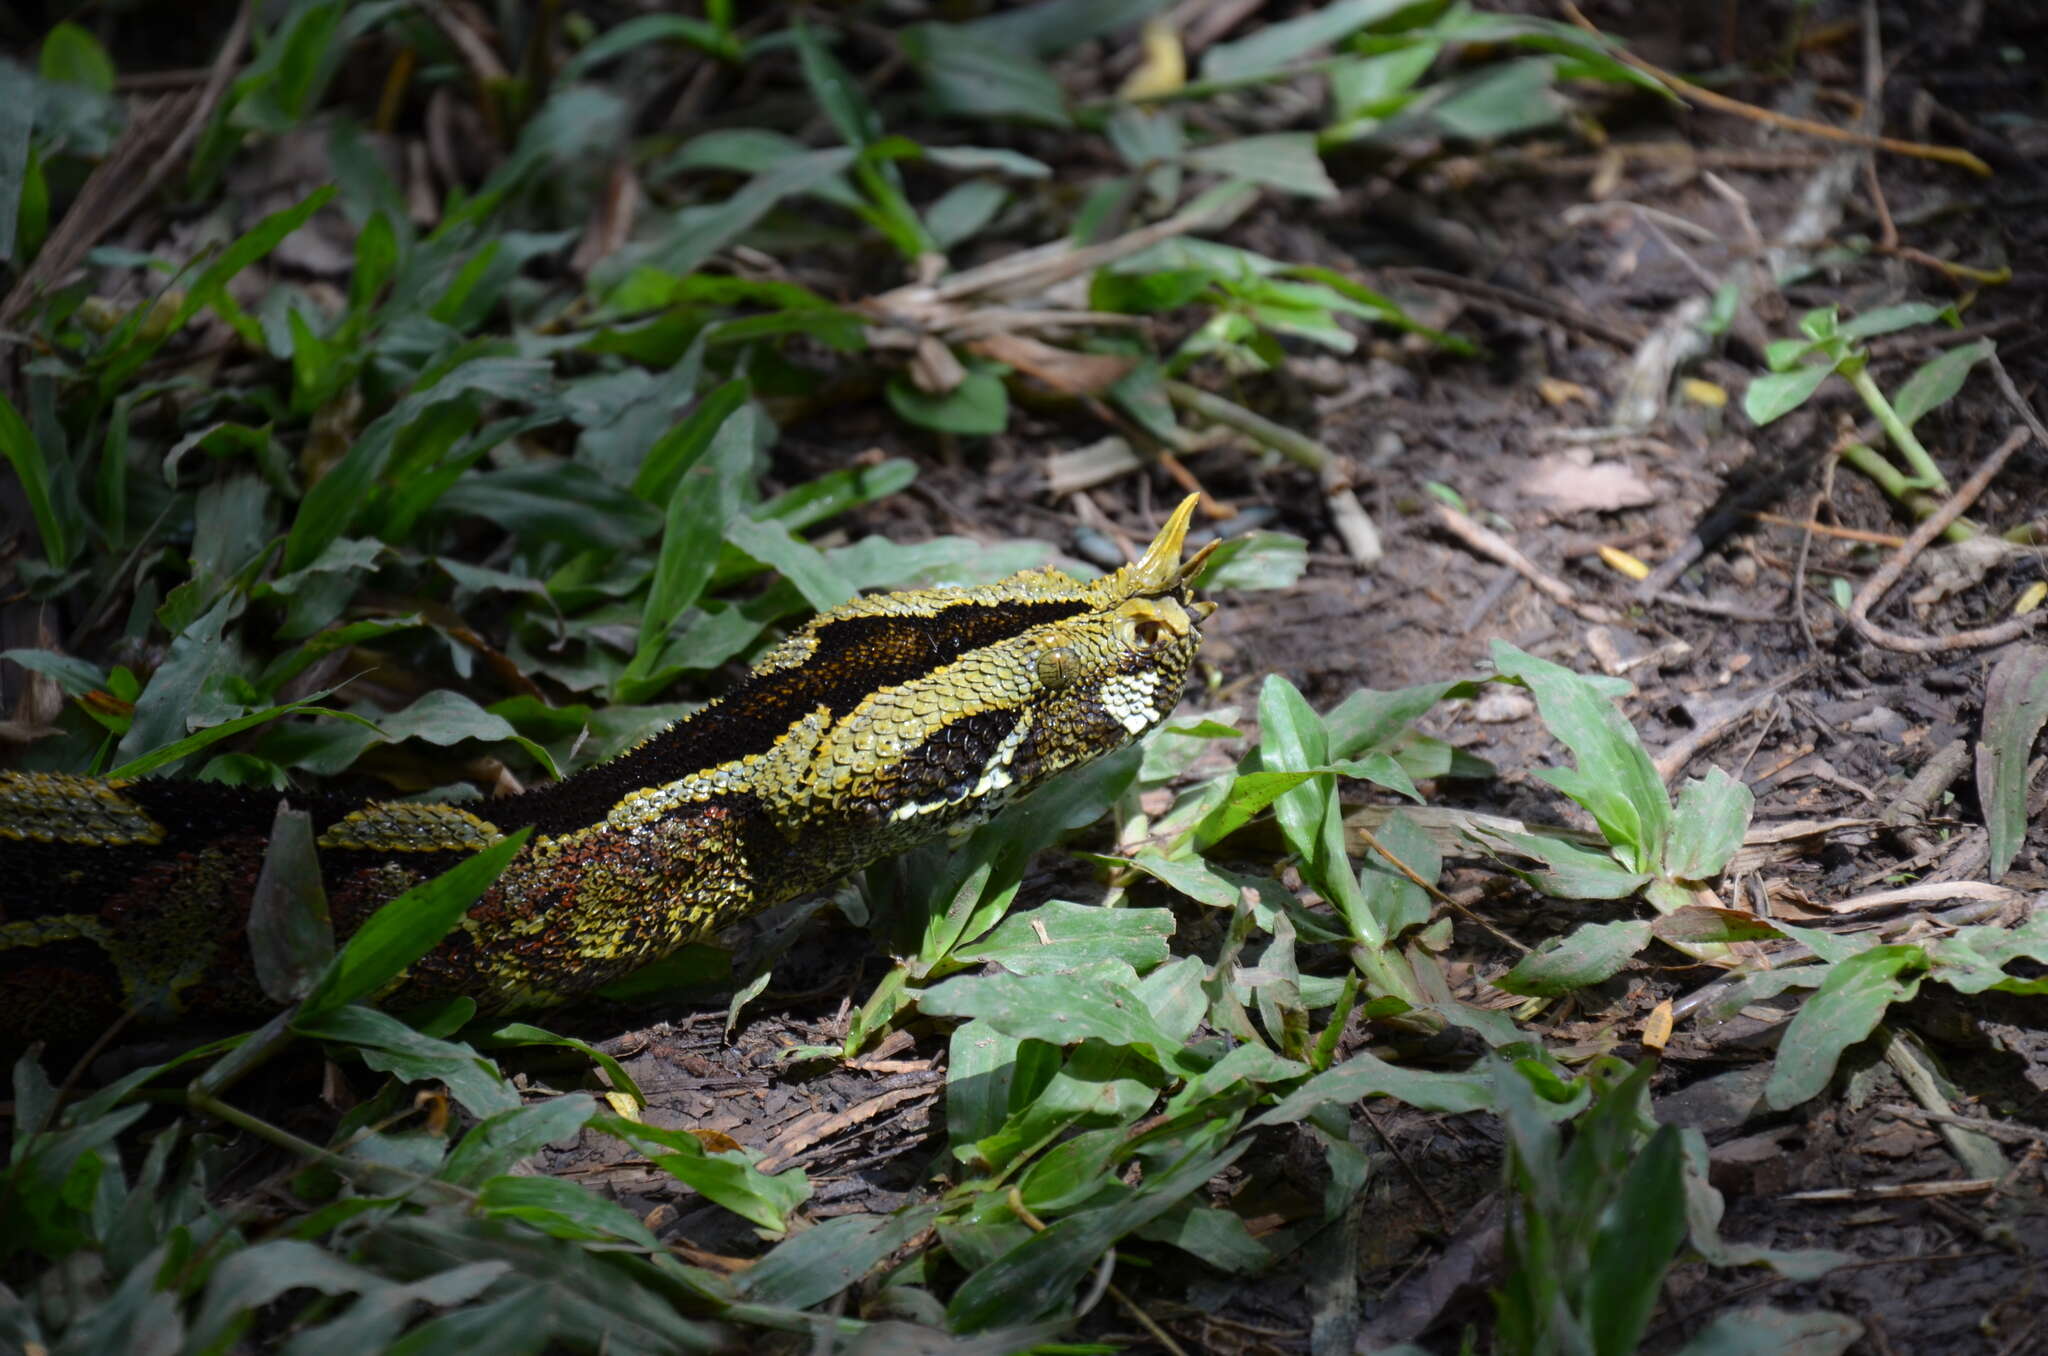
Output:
x=1146 y=634
x=1056 y=668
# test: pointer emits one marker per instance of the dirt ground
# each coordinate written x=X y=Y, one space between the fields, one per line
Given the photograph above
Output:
x=1834 y=725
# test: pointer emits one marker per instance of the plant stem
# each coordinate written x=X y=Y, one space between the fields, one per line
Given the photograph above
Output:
x=1871 y=462
x=1927 y=476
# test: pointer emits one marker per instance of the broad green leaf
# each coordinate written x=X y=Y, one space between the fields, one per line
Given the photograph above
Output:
x=1937 y=380
x=1059 y=935
x=562 y=1209
x=1845 y=1008
x=499 y=1141
x=811 y=1267
x=1396 y=901
x=730 y=1179
x=794 y=559
x=1615 y=781
x=74 y=675
x=1274 y=45
x=1971 y=960
x=390 y=1046
x=253 y=1277
x=1707 y=826
x=680 y=448
x=643 y=30
x=1701 y=925
x=1256 y=560
x=979 y=405
x=1886 y=319
x=2015 y=709
x=25 y=454
x=1060 y=1009
x=1042 y=1272
x=523 y=1033
x=1636 y=1239
x=1283 y=160
x=72 y=56
x=1762 y=1331
x=973 y=78
x=408 y=927
x=291 y=935
x=1591 y=953
x=1365 y=1075
x=1776 y=394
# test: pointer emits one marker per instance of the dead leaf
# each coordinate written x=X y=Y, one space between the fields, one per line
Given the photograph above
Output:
x=1561 y=483
x=933 y=368
x=1071 y=373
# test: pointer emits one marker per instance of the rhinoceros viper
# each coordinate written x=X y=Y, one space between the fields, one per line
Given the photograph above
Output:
x=871 y=728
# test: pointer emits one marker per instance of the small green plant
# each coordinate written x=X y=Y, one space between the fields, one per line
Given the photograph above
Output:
x=1652 y=846
x=1828 y=346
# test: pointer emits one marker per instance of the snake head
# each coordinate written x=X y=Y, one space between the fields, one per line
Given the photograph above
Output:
x=1000 y=687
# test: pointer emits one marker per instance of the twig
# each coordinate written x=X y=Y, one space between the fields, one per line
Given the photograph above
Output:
x=1496 y=547
x=1673 y=760
x=1880 y=583
x=1431 y=890
x=1818 y=528
x=1949 y=155
x=1296 y=447
x=1557 y=313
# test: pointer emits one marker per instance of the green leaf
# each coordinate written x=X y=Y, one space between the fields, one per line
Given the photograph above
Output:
x=1845 y=1008
x=1636 y=1240
x=1707 y=826
x=978 y=406
x=523 y=1033
x=1574 y=872
x=1886 y=319
x=562 y=1209
x=210 y=289
x=1283 y=160
x=499 y=1141
x=1615 y=781
x=2015 y=709
x=794 y=559
x=1776 y=394
x=680 y=448
x=836 y=91
x=730 y=1179
x=1059 y=935
x=72 y=56
x=1274 y=45
x=390 y=1046
x=408 y=927
x=1059 y=1009
x=1763 y=1331
x=25 y=454
x=706 y=497
x=291 y=935
x=1365 y=1075
x=970 y=77
x=1591 y=953
x=813 y=1266
x=1937 y=380
x=643 y=30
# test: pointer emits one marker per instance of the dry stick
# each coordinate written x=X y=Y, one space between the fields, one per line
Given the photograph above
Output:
x=1431 y=890
x=1673 y=760
x=1879 y=584
x=1948 y=155
x=1557 y=313
x=1815 y=526
x=121 y=181
x=1496 y=547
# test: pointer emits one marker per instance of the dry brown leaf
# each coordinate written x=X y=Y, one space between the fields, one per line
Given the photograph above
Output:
x=1562 y=483
x=1071 y=373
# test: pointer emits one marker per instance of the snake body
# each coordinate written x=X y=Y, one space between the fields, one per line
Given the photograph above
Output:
x=873 y=727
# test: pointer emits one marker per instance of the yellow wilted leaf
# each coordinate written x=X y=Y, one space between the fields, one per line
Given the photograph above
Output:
x=623 y=1105
x=1557 y=392
x=1704 y=393
x=2030 y=599
x=1624 y=563
x=1165 y=67
x=1657 y=1030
